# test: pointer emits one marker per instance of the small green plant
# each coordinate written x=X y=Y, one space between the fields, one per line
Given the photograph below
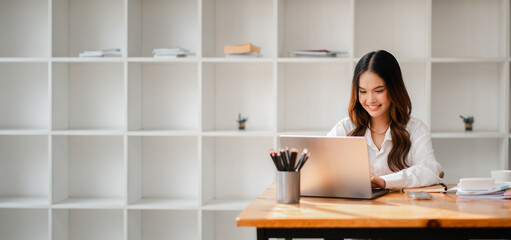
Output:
x=241 y=122
x=469 y=120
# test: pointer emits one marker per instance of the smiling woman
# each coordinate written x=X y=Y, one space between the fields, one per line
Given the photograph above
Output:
x=400 y=150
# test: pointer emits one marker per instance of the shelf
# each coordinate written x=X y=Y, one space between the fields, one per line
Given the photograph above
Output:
x=319 y=24
x=156 y=95
x=42 y=132
x=400 y=27
x=24 y=202
x=90 y=203
x=469 y=60
x=230 y=89
x=312 y=96
x=461 y=89
x=238 y=133
x=88 y=60
x=461 y=158
x=75 y=29
x=165 y=203
x=314 y=60
x=88 y=167
x=162 y=24
x=152 y=225
x=162 y=60
x=163 y=168
x=237 y=60
x=24 y=96
x=468 y=28
x=87 y=224
x=88 y=96
x=219 y=225
x=21 y=224
x=229 y=22
x=24 y=28
x=24 y=167
x=227 y=204
x=244 y=160
x=91 y=132
x=24 y=60
x=176 y=133
x=468 y=135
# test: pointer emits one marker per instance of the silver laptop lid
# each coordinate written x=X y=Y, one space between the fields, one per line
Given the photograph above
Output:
x=337 y=167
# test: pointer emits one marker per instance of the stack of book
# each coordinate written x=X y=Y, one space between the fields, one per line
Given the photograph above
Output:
x=246 y=50
x=175 y=52
x=319 y=53
x=483 y=188
x=114 y=52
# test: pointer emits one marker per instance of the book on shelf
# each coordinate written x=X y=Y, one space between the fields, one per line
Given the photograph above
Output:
x=175 y=52
x=318 y=53
x=242 y=55
x=112 y=52
x=241 y=48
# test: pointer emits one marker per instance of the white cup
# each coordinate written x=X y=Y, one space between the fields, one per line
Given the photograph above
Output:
x=501 y=175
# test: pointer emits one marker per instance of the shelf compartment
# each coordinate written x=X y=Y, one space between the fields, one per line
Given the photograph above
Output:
x=321 y=24
x=156 y=93
x=24 y=28
x=24 y=96
x=312 y=96
x=462 y=89
x=88 y=172
x=235 y=168
x=230 y=22
x=87 y=224
x=24 y=169
x=232 y=88
x=222 y=225
x=474 y=28
x=24 y=224
x=162 y=24
x=414 y=76
x=163 y=224
x=401 y=27
x=88 y=96
x=461 y=158
x=163 y=171
x=87 y=26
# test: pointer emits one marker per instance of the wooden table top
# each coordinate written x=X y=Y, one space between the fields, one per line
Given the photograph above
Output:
x=391 y=210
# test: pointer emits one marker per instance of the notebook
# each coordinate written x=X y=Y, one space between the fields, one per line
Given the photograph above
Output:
x=337 y=167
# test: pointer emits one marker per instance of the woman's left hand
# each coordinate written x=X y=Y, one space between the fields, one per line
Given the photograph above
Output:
x=377 y=182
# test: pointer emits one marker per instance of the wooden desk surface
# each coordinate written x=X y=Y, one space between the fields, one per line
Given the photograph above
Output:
x=391 y=210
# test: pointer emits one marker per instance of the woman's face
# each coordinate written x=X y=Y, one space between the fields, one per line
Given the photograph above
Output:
x=373 y=95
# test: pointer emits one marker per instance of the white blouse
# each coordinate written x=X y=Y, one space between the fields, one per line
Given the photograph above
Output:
x=424 y=170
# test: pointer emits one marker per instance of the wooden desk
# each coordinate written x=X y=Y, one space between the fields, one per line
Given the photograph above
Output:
x=393 y=215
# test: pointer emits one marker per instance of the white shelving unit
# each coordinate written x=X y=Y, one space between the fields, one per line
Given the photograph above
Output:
x=138 y=148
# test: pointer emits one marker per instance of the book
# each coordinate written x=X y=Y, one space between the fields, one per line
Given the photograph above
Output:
x=112 y=52
x=318 y=53
x=242 y=55
x=241 y=48
x=437 y=188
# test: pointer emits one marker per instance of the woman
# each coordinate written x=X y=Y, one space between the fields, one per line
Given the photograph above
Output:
x=400 y=150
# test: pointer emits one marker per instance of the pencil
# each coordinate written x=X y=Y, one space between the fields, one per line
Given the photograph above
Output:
x=279 y=162
x=274 y=158
x=300 y=161
x=284 y=159
x=304 y=161
x=292 y=159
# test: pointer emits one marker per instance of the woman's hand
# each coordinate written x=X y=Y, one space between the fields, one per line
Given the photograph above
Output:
x=377 y=182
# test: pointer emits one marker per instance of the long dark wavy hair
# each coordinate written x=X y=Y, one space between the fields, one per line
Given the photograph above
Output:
x=385 y=66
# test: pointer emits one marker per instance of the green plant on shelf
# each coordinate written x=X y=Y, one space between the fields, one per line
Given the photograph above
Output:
x=469 y=120
x=241 y=122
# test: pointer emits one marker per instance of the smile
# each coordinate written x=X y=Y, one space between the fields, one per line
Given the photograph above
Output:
x=373 y=107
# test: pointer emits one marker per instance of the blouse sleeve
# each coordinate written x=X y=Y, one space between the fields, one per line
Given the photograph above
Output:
x=424 y=170
x=340 y=129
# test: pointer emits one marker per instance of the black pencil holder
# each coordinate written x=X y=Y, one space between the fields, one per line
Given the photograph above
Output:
x=288 y=187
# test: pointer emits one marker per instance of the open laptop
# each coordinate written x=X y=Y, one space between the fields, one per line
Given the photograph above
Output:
x=337 y=167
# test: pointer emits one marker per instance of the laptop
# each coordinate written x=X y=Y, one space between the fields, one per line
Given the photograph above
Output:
x=337 y=167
